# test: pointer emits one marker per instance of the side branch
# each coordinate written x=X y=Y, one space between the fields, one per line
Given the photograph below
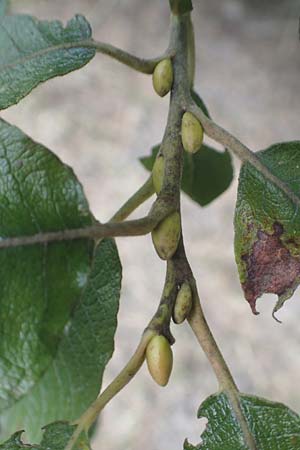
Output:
x=161 y=208
x=137 y=227
x=124 y=377
x=226 y=382
x=139 y=64
x=139 y=197
x=240 y=150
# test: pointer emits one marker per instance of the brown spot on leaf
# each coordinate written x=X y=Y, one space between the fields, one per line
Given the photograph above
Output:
x=270 y=267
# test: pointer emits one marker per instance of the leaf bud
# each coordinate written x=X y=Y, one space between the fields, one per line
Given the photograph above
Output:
x=166 y=236
x=159 y=359
x=191 y=133
x=162 y=77
x=158 y=173
x=183 y=303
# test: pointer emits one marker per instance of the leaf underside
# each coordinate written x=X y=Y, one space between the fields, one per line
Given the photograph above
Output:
x=273 y=425
x=267 y=227
x=34 y=51
x=58 y=302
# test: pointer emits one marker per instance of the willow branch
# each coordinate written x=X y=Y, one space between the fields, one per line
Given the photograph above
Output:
x=182 y=268
x=240 y=150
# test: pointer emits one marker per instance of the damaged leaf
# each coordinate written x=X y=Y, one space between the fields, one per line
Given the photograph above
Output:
x=267 y=227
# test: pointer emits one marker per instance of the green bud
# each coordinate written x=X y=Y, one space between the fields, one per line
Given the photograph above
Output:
x=159 y=359
x=183 y=303
x=162 y=77
x=158 y=173
x=166 y=236
x=191 y=133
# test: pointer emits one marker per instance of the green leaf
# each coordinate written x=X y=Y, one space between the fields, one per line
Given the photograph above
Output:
x=55 y=437
x=34 y=51
x=74 y=378
x=272 y=425
x=180 y=6
x=267 y=226
x=51 y=358
x=40 y=284
x=3 y=7
x=206 y=174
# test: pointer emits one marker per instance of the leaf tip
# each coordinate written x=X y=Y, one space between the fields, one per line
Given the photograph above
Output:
x=273 y=315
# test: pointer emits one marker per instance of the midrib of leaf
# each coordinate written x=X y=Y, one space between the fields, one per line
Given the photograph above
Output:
x=45 y=51
x=233 y=396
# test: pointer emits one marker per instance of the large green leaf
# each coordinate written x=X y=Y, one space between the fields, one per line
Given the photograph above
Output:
x=206 y=174
x=267 y=226
x=39 y=284
x=33 y=51
x=272 y=425
x=55 y=437
x=74 y=377
x=51 y=358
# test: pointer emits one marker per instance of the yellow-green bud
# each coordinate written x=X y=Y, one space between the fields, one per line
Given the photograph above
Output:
x=191 y=133
x=158 y=173
x=183 y=303
x=166 y=236
x=159 y=359
x=162 y=77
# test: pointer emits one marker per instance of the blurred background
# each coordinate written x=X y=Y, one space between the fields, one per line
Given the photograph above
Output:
x=101 y=119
